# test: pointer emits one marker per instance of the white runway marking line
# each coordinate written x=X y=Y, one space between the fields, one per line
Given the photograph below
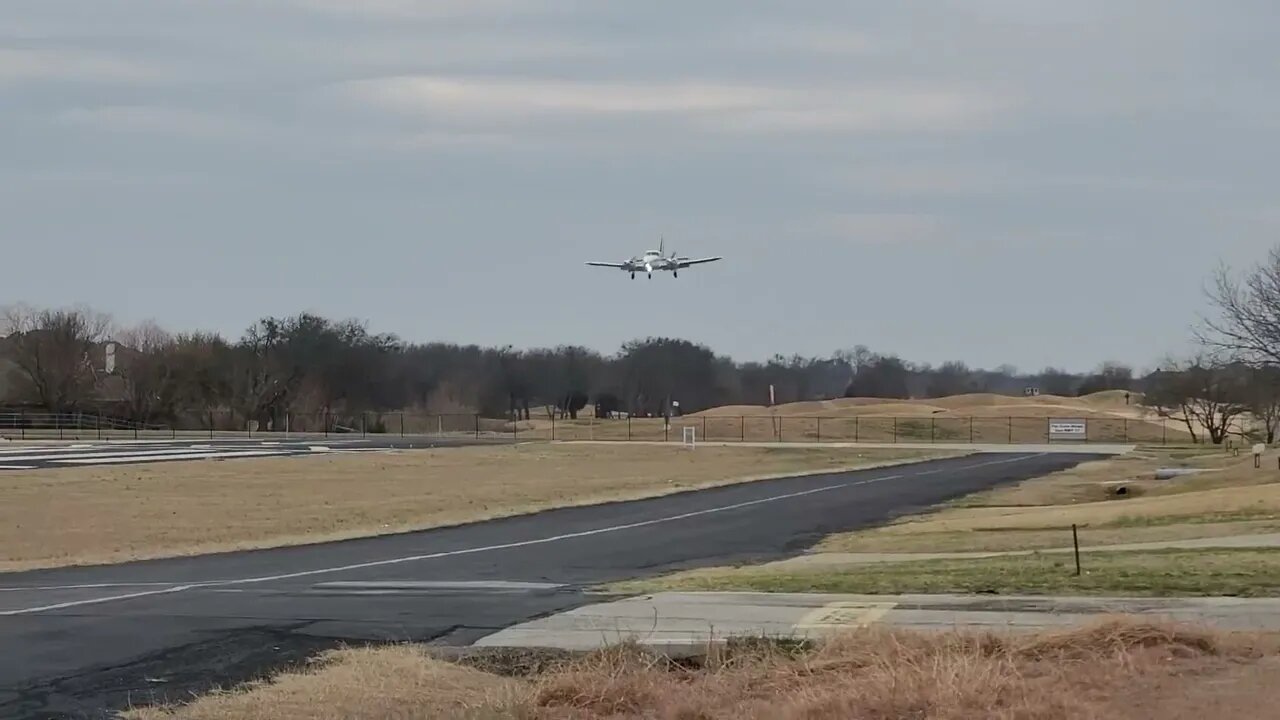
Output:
x=95 y=601
x=89 y=586
x=386 y=585
x=102 y=453
x=204 y=455
x=503 y=546
x=27 y=449
x=17 y=467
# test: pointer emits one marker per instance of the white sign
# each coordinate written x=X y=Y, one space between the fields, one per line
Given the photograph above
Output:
x=1068 y=429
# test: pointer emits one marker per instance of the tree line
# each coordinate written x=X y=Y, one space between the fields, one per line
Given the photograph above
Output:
x=309 y=364
x=1229 y=384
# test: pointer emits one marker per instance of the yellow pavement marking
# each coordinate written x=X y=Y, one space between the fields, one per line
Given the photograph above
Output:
x=844 y=614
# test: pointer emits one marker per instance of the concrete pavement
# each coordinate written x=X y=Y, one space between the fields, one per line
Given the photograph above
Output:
x=688 y=621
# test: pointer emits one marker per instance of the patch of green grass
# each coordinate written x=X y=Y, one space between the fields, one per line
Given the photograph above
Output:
x=1248 y=573
x=1002 y=539
x=1138 y=521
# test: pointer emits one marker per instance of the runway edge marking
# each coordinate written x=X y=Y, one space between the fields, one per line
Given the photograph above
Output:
x=503 y=546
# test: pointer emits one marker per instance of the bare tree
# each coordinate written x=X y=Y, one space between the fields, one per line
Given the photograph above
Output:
x=1263 y=394
x=1204 y=395
x=1247 y=328
x=148 y=368
x=54 y=349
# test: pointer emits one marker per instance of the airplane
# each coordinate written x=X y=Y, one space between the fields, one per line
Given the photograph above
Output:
x=656 y=260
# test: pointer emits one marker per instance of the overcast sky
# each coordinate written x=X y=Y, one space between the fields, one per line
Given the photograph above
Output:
x=986 y=180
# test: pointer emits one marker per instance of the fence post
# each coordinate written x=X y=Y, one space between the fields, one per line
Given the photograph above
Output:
x=1126 y=429
x=666 y=428
x=704 y=428
x=742 y=426
x=933 y=436
x=99 y=427
x=553 y=426
x=895 y=428
x=628 y=427
x=57 y=421
x=970 y=429
x=855 y=428
x=401 y=423
x=515 y=427
x=364 y=425
x=779 y=428
x=22 y=422
x=211 y=421
x=1164 y=429
x=819 y=428
x=1011 y=429
x=1075 y=542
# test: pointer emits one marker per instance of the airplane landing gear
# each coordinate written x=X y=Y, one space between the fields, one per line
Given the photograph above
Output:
x=633 y=276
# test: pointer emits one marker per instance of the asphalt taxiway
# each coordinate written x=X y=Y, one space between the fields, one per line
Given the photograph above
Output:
x=80 y=642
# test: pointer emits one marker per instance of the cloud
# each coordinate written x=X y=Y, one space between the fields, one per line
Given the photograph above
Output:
x=713 y=106
x=507 y=98
x=878 y=228
x=19 y=65
x=424 y=9
x=855 y=110
x=160 y=119
x=80 y=179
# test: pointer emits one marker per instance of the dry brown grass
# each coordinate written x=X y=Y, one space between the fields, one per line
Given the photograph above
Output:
x=110 y=514
x=390 y=682
x=979 y=417
x=1114 y=669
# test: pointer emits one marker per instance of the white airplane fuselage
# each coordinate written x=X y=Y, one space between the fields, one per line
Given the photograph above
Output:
x=647 y=263
x=653 y=260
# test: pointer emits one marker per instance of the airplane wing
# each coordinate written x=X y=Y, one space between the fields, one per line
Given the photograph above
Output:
x=608 y=265
x=686 y=262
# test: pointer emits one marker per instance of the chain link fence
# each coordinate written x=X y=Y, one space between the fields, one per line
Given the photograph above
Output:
x=707 y=428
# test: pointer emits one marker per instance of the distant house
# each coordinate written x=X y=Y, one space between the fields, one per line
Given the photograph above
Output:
x=110 y=390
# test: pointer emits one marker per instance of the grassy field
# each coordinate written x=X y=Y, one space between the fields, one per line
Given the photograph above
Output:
x=93 y=515
x=1119 y=670
x=1232 y=499
x=1160 y=573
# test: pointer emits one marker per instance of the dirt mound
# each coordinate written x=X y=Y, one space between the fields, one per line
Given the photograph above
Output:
x=1106 y=404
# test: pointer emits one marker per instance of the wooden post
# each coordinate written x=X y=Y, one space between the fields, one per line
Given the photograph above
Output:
x=1075 y=542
